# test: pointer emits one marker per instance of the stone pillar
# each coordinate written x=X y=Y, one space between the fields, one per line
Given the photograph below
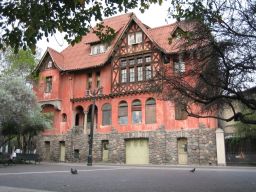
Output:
x=85 y=122
x=220 y=145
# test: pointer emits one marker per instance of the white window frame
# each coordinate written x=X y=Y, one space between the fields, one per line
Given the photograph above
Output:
x=98 y=48
x=132 y=74
x=123 y=76
x=179 y=67
x=134 y=38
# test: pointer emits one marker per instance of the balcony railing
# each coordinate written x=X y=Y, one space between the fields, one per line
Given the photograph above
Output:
x=89 y=92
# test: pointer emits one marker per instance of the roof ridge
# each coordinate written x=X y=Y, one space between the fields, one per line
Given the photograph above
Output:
x=110 y=18
x=162 y=26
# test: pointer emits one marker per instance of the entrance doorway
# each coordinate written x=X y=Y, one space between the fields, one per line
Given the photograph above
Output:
x=182 y=151
x=47 y=150
x=105 y=150
x=62 y=151
x=137 y=151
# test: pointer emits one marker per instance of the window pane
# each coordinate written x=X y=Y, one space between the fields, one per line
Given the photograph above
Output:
x=151 y=111
x=132 y=75
x=140 y=74
x=136 y=117
x=106 y=117
x=140 y=60
x=123 y=63
x=179 y=67
x=180 y=112
x=48 y=84
x=148 y=59
x=131 y=38
x=123 y=120
x=131 y=62
x=123 y=113
x=138 y=37
x=148 y=72
x=123 y=76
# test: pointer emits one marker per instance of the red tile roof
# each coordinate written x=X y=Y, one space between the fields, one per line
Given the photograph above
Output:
x=79 y=56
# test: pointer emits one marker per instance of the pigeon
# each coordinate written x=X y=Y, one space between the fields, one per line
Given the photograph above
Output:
x=73 y=171
x=193 y=170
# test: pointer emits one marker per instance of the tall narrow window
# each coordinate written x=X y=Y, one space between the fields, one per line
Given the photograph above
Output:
x=132 y=74
x=131 y=38
x=106 y=114
x=138 y=37
x=123 y=113
x=180 y=111
x=140 y=73
x=136 y=112
x=148 y=72
x=89 y=82
x=98 y=80
x=48 y=84
x=123 y=76
x=179 y=64
x=150 y=111
x=64 y=117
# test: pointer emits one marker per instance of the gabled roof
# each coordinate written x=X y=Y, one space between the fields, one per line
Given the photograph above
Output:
x=79 y=56
x=163 y=33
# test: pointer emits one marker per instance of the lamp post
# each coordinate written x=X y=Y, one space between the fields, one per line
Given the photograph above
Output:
x=93 y=94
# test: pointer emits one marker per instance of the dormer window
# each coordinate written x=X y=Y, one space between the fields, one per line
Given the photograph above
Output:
x=98 y=48
x=134 y=38
x=49 y=65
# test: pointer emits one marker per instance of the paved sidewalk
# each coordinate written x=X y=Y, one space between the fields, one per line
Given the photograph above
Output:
x=15 y=189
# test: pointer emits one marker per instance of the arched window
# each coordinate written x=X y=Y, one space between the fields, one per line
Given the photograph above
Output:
x=64 y=117
x=150 y=111
x=106 y=114
x=123 y=113
x=136 y=111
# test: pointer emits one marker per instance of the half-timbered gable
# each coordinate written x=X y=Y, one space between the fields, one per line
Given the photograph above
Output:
x=135 y=62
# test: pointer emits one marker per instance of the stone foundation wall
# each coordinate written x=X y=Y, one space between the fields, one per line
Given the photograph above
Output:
x=163 y=147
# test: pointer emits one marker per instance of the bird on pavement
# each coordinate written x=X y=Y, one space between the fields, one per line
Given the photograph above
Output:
x=193 y=170
x=73 y=171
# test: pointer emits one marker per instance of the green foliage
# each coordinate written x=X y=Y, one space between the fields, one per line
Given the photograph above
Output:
x=246 y=130
x=20 y=116
x=105 y=33
x=25 y=22
x=21 y=63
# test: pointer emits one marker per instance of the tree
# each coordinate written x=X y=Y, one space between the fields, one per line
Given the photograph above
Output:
x=224 y=39
x=20 y=116
x=21 y=63
x=23 y=23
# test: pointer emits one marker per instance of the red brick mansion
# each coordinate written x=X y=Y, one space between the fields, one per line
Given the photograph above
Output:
x=131 y=124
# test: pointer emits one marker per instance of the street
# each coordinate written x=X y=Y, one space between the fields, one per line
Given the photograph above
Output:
x=107 y=178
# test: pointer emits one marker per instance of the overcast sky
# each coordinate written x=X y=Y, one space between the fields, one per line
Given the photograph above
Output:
x=155 y=16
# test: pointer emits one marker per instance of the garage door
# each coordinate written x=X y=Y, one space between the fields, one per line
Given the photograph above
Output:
x=137 y=151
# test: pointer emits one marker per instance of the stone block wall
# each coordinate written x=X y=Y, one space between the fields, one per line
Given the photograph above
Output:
x=163 y=147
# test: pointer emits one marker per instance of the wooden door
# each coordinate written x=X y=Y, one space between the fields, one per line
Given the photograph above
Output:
x=182 y=151
x=62 y=151
x=47 y=147
x=137 y=151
